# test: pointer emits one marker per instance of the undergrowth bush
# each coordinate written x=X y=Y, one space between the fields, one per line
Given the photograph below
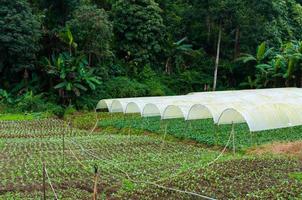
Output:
x=125 y=87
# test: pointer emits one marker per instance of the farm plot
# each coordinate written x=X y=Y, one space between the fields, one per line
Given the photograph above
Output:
x=134 y=167
x=37 y=129
x=203 y=131
x=125 y=163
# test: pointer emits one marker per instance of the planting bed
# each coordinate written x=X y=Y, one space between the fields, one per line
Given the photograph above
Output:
x=203 y=131
x=132 y=164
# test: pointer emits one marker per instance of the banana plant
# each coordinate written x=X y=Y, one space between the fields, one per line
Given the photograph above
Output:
x=5 y=97
x=276 y=66
x=176 y=52
x=72 y=74
x=292 y=55
x=264 y=69
x=67 y=37
x=262 y=53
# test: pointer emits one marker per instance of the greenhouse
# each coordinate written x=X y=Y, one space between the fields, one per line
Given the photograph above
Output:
x=261 y=109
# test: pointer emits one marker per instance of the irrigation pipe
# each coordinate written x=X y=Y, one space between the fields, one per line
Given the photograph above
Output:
x=222 y=152
x=49 y=181
x=84 y=166
x=144 y=182
x=208 y=164
x=96 y=123
x=176 y=190
x=163 y=141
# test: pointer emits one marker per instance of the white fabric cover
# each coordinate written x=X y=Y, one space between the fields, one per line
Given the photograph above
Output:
x=263 y=117
x=276 y=108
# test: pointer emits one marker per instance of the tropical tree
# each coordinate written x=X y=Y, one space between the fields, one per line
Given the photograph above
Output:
x=70 y=73
x=20 y=31
x=139 y=32
x=289 y=61
x=263 y=66
x=92 y=30
x=176 y=52
x=57 y=12
x=273 y=67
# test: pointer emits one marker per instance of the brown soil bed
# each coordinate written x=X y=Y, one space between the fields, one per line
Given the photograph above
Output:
x=288 y=148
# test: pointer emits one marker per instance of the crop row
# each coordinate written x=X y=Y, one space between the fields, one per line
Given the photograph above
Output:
x=128 y=162
x=38 y=128
x=116 y=156
x=203 y=131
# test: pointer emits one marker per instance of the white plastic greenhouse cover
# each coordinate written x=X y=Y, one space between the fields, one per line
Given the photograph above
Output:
x=119 y=105
x=271 y=105
x=263 y=117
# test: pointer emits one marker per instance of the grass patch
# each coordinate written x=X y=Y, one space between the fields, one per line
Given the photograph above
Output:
x=27 y=117
x=297 y=176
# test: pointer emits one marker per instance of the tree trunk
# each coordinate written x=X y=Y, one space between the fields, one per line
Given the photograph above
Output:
x=217 y=57
x=300 y=78
x=25 y=77
x=89 y=59
x=209 y=29
x=167 y=67
x=237 y=43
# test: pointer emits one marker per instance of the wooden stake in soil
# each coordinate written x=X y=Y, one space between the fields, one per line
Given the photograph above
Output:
x=44 y=180
x=215 y=133
x=251 y=139
x=163 y=142
x=95 y=191
x=233 y=134
x=63 y=145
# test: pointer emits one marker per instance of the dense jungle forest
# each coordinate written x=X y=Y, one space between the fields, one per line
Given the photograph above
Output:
x=71 y=53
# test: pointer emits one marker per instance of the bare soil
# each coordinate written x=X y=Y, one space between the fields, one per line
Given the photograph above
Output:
x=280 y=148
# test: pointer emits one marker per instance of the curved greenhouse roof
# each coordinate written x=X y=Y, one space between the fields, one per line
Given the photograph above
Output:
x=224 y=107
x=263 y=117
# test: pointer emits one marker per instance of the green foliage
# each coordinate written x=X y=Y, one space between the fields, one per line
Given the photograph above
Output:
x=69 y=110
x=72 y=74
x=275 y=68
x=153 y=83
x=133 y=163
x=57 y=12
x=5 y=97
x=20 y=31
x=128 y=186
x=203 y=131
x=66 y=49
x=139 y=32
x=22 y=117
x=124 y=87
x=92 y=31
x=296 y=175
x=29 y=102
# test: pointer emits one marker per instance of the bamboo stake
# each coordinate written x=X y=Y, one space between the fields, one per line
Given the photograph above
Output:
x=63 y=145
x=251 y=138
x=215 y=133
x=233 y=134
x=44 y=180
x=163 y=142
x=95 y=183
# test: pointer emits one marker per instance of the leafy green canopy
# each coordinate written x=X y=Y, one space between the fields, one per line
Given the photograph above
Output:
x=92 y=31
x=275 y=67
x=20 y=31
x=139 y=31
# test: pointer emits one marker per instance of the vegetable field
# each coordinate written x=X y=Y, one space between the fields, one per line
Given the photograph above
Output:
x=130 y=159
x=203 y=131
